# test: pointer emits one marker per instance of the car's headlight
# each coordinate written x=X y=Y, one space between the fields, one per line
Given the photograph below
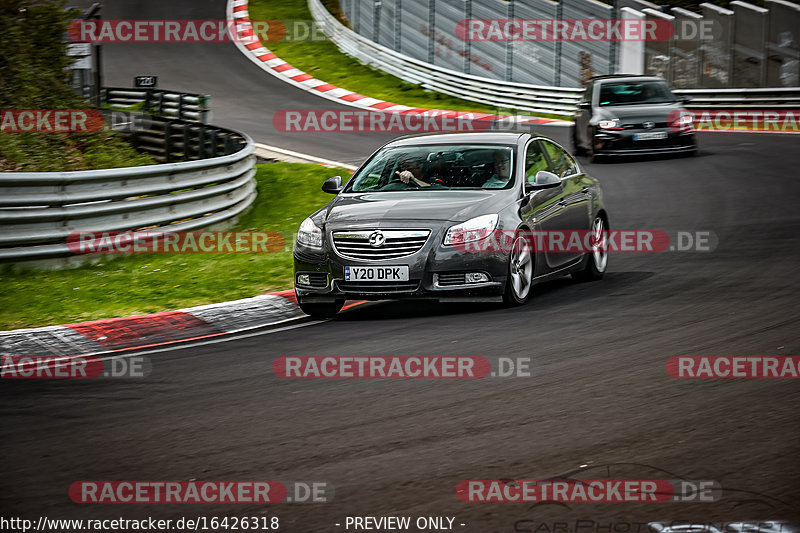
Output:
x=608 y=124
x=309 y=234
x=685 y=121
x=473 y=229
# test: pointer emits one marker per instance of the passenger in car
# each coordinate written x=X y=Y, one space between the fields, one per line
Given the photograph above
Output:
x=502 y=169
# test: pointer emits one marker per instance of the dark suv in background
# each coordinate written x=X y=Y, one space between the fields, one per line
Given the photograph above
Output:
x=624 y=115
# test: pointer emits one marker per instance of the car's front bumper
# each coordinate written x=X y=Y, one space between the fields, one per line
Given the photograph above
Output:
x=621 y=142
x=434 y=274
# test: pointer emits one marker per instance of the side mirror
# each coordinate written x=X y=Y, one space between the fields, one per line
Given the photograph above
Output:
x=333 y=185
x=585 y=105
x=543 y=180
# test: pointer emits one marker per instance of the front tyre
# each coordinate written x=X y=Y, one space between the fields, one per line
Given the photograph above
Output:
x=594 y=157
x=576 y=147
x=520 y=271
x=321 y=310
x=597 y=260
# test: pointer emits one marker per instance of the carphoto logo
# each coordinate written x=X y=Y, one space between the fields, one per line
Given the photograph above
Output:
x=50 y=120
x=564 y=30
x=592 y=525
x=75 y=367
x=734 y=367
x=586 y=491
x=175 y=242
x=734 y=120
x=398 y=367
x=333 y=121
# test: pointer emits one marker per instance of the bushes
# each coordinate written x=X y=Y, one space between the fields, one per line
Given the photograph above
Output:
x=34 y=75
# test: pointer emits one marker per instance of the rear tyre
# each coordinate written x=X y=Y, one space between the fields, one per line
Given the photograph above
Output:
x=321 y=310
x=597 y=258
x=520 y=271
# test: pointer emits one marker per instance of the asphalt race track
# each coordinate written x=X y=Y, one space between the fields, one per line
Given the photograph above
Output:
x=599 y=393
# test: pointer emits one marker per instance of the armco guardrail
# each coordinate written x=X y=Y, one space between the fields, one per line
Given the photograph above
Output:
x=182 y=106
x=38 y=210
x=767 y=98
x=519 y=96
x=168 y=140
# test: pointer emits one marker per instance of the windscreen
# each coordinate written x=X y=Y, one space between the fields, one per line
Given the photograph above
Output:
x=409 y=168
x=643 y=92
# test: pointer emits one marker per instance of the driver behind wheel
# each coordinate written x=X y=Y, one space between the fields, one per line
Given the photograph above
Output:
x=411 y=171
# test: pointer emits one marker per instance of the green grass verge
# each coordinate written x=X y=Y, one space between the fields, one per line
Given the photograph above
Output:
x=148 y=283
x=324 y=61
x=62 y=152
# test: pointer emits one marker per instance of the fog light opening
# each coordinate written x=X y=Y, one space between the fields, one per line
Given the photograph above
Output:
x=477 y=277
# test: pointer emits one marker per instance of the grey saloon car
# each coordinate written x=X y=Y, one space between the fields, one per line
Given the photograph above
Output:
x=630 y=115
x=423 y=218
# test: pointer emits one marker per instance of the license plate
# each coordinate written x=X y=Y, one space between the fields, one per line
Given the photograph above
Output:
x=381 y=273
x=650 y=136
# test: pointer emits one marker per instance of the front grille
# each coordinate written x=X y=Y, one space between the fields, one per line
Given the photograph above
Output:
x=452 y=278
x=379 y=287
x=396 y=243
x=640 y=126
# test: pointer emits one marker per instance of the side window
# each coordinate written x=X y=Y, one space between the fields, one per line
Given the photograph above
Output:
x=561 y=163
x=587 y=95
x=534 y=161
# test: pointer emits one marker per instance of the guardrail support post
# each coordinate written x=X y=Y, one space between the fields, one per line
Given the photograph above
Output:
x=431 y=30
x=167 y=141
x=398 y=25
x=201 y=141
x=509 y=46
x=185 y=142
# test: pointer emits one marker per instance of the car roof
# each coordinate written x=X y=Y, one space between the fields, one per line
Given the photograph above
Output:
x=626 y=77
x=479 y=137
